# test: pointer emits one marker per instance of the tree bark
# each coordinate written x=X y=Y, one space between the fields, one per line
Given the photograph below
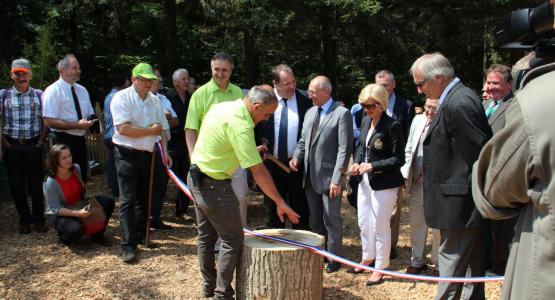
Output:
x=273 y=270
x=171 y=39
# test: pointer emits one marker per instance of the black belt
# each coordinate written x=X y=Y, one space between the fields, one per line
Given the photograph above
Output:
x=204 y=176
x=22 y=141
x=131 y=150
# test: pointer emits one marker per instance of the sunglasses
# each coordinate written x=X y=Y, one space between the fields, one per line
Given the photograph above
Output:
x=369 y=106
x=421 y=83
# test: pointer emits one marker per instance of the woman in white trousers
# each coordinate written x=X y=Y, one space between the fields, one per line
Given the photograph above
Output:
x=378 y=159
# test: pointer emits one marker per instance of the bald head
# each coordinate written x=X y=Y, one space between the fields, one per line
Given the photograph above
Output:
x=319 y=90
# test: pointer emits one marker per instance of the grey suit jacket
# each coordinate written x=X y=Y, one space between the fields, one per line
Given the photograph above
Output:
x=497 y=120
x=453 y=142
x=332 y=144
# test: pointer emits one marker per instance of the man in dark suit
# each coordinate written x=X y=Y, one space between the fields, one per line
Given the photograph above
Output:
x=499 y=84
x=323 y=151
x=452 y=144
x=402 y=110
x=280 y=135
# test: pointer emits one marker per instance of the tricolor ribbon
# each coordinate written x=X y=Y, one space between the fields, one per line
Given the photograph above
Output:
x=183 y=187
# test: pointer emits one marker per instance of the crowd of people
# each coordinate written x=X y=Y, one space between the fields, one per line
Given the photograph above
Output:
x=297 y=146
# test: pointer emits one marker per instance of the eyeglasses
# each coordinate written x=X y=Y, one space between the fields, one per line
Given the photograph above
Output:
x=430 y=107
x=421 y=83
x=369 y=106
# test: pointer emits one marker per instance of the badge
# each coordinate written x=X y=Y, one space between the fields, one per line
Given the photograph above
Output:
x=378 y=144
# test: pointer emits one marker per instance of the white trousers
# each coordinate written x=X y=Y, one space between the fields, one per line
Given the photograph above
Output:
x=419 y=228
x=374 y=212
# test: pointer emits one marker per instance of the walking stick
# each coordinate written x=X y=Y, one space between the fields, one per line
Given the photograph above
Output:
x=149 y=205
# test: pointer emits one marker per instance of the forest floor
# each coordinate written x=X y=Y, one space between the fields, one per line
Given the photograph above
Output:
x=36 y=266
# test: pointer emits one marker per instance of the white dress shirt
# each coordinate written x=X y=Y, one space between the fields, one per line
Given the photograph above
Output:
x=58 y=104
x=128 y=107
x=292 y=124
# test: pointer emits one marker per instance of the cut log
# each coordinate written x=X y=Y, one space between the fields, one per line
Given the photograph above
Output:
x=273 y=270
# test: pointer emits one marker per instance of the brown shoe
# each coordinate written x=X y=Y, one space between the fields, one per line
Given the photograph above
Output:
x=415 y=270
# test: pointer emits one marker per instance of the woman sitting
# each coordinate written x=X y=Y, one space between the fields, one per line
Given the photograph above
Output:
x=378 y=158
x=64 y=190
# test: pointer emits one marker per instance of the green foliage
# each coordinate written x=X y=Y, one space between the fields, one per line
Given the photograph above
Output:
x=347 y=40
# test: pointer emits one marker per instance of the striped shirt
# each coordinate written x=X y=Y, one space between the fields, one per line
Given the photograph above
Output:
x=22 y=113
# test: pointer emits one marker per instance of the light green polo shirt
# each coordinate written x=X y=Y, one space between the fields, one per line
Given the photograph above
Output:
x=204 y=97
x=226 y=141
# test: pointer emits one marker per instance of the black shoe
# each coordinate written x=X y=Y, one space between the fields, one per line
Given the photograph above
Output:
x=24 y=229
x=160 y=225
x=393 y=253
x=40 y=228
x=101 y=240
x=333 y=267
x=64 y=241
x=129 y=256
x=371 y=283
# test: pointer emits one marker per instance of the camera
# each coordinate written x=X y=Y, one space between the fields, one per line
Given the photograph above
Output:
x=528 y=28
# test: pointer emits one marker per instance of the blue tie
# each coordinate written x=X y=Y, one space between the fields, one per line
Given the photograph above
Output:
x=282 y=139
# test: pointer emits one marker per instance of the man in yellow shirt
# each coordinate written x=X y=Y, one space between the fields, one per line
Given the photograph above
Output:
x=225 y=142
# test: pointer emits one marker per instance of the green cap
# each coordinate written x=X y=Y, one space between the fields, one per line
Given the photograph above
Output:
x=144 y=70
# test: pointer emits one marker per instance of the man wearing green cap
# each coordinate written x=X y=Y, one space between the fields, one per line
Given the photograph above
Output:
x=140 y=122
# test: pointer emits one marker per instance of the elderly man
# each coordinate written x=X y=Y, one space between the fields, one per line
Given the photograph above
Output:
x=323 y=151
x=140 y=122
x=22 y=143
x=413 y=174
x=67 y=108
x=402 y=110
x=179 y=98
x=280 y=134
x=217 y=90
x=225 y=142
x=453 y=142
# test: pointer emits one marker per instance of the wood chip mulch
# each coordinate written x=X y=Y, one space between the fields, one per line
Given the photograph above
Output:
x=36 y=266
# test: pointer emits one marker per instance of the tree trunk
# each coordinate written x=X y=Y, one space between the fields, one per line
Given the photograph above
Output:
x=273 y=270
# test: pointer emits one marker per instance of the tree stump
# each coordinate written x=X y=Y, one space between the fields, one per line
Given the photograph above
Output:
x=273 y=270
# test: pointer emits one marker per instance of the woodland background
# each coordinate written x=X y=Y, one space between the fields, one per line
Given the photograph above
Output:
x=347 y=40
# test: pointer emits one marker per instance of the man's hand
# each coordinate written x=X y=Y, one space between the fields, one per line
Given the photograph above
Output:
x=168 y=162
x=284 y=209
x=353 y=169
x=335 y=190
x=156 y=129
x=365 y=168
x=294 y=165
x=84 y=124
x=263 y=150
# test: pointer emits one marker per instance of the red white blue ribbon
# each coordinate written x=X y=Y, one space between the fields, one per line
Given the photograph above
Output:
x=182 y=186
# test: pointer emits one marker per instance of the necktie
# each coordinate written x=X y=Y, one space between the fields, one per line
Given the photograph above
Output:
x=491 y=109
x=76 y=103
x=315 y=126
x=282 y=139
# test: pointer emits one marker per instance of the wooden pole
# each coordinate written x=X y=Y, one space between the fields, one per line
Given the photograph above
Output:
x=149 y=205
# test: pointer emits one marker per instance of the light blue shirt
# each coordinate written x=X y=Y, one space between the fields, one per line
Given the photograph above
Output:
x=447 y=89
x=326 y=107
x=108 y=122
x=391 y=105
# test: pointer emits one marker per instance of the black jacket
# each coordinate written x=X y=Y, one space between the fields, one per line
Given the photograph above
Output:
x=386 y=152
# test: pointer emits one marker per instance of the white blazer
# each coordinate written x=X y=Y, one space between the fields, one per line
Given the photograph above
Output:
x=416 y=128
